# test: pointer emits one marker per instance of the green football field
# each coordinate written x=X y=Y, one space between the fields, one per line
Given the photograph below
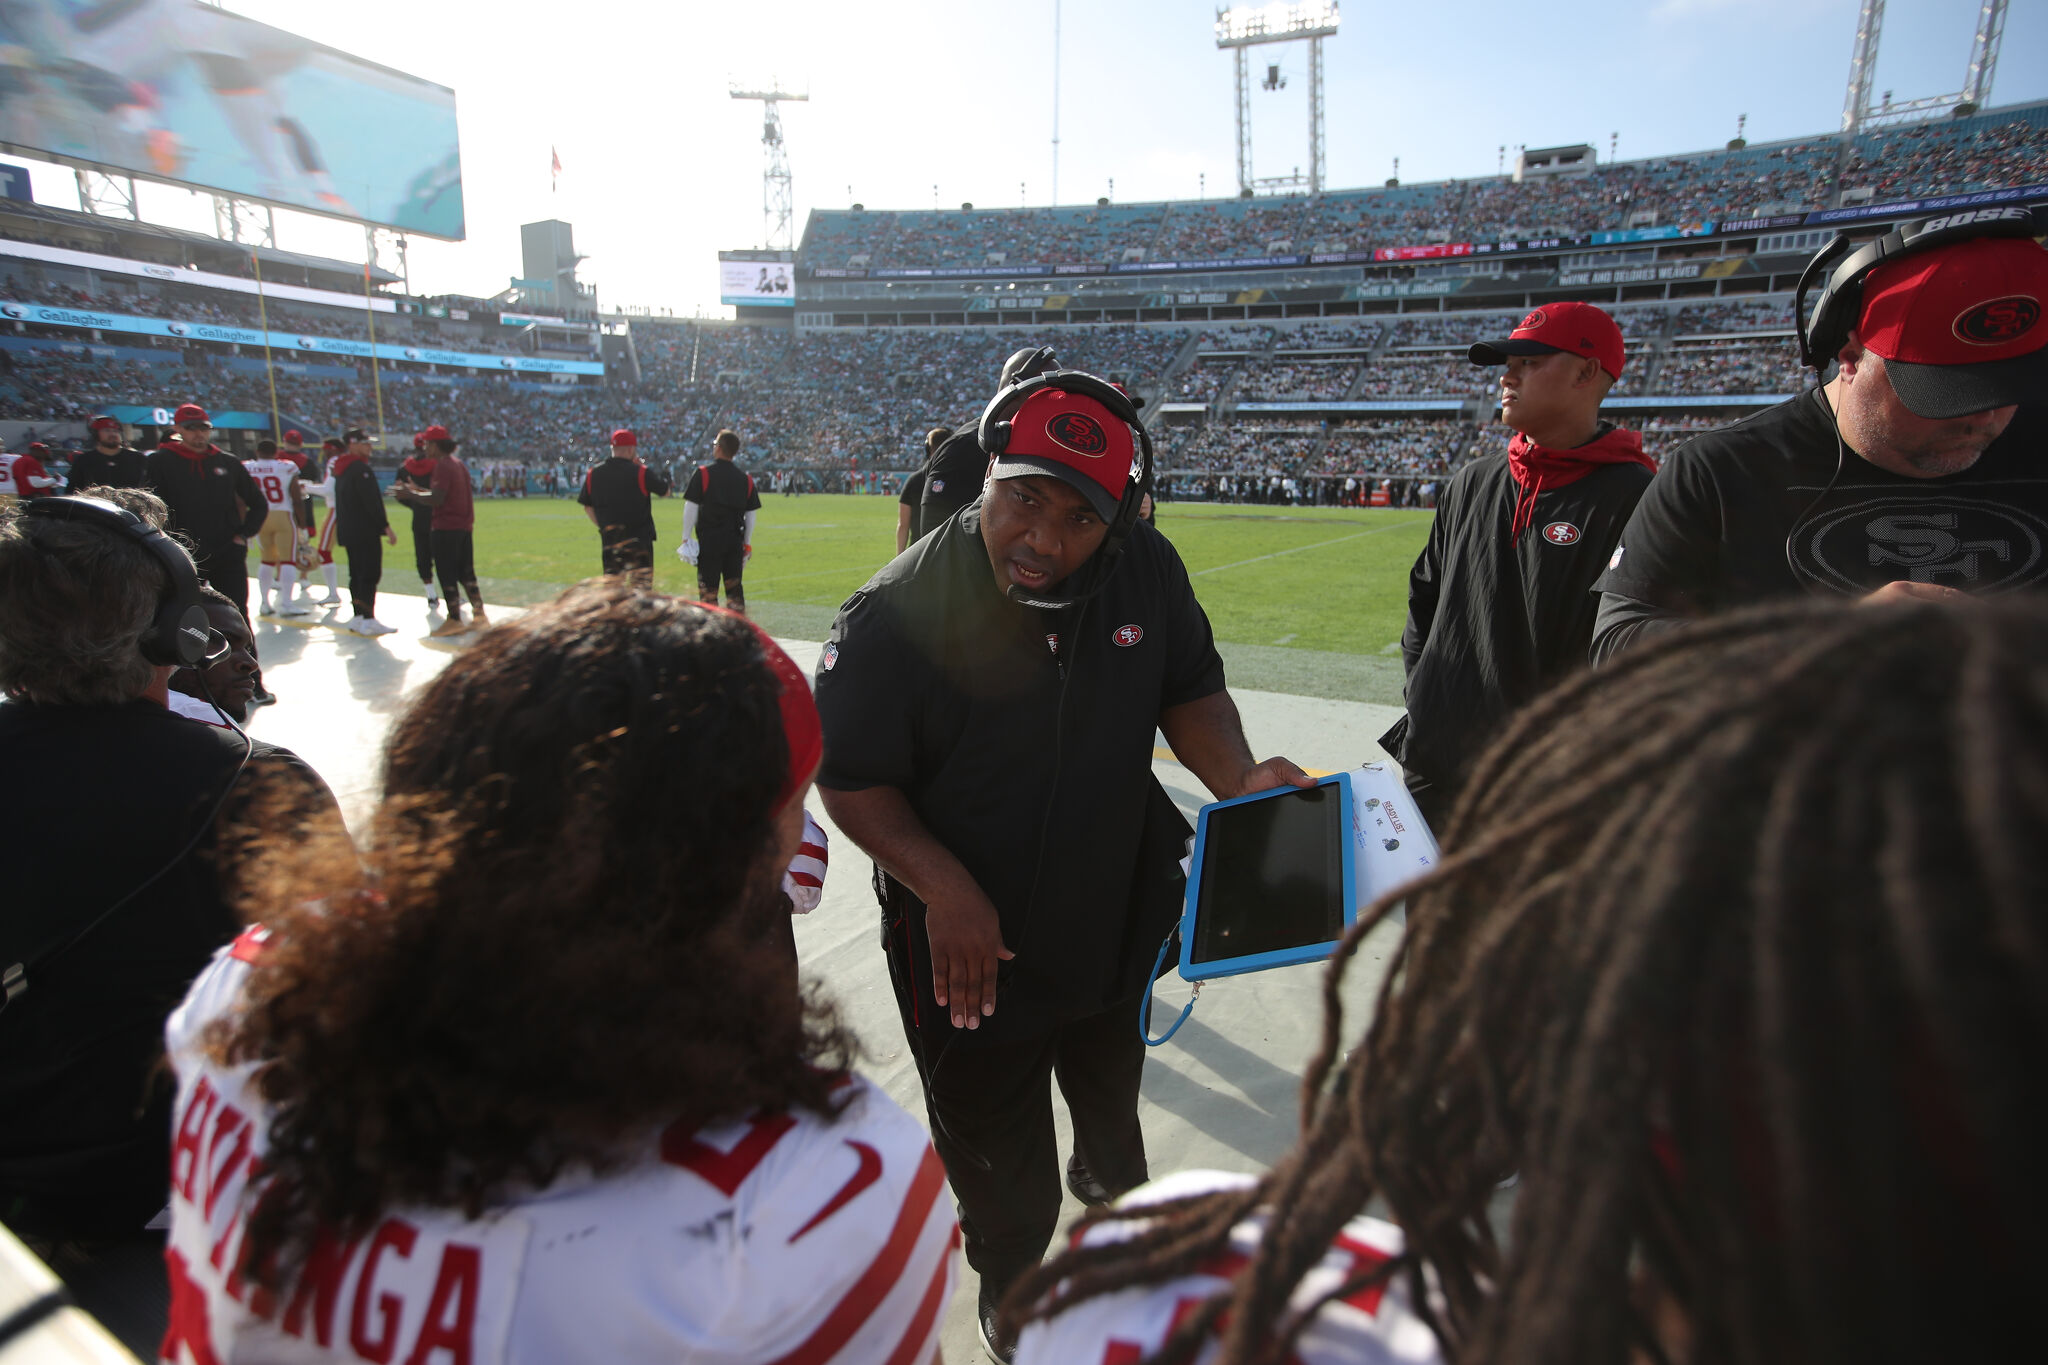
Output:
x=1303 y=600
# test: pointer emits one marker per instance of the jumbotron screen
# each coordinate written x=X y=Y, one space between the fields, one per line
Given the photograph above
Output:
x=178 y=91
x=757 y=278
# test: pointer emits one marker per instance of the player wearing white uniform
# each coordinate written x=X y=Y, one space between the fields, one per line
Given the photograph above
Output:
x=1375 y=1325
x=786 y=1237
x=23 y=476
x=278 y=541
x=323 y=544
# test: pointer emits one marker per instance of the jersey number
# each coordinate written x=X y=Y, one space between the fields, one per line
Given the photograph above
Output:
x=273 y=489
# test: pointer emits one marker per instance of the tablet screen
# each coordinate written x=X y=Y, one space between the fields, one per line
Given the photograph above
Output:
x=1272 y=876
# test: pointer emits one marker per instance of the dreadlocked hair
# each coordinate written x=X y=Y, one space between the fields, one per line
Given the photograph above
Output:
x=1737 y=955
x=568 y=940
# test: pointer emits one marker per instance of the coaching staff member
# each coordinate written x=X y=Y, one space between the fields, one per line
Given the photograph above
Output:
x=720 y=504
x=109 y=462
x=362 y=528
x=912 y=496
x=1936 y=485
x=618 y=497
x=121 y=900
x=214 y=502
x=989 y=701
x=953 y=470
x=1500 y=602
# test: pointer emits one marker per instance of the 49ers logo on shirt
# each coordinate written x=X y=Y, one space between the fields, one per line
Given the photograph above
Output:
x=1078 y=432
x=1561 y=533
x=1998 y=321
x=1127 y=636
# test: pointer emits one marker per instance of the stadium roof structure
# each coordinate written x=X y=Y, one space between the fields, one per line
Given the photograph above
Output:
x=188 y=247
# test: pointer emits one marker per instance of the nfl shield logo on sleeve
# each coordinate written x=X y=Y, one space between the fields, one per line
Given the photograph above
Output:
x=831 y=657
x=938 y=485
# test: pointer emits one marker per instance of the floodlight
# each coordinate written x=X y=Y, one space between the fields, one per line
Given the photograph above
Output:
x=1246 y=25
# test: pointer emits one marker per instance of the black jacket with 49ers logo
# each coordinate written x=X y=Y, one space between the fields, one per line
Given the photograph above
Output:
x=1494 y=618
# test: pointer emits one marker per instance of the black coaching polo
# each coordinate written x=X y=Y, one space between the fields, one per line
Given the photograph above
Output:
x=724 y=494
x=1023 y=740
x=952 y=478
x=620 y=491
x=1711 y=533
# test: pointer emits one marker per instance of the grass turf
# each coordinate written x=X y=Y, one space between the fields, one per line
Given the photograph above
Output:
x=1307 y=600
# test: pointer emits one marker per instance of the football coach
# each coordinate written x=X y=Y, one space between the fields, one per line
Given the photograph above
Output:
x=989 y=702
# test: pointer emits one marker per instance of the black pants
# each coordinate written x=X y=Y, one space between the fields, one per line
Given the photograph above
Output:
x=226 y=571
x=455 y=558
x=365 y=571
x=990 y=1113
x=423 y=548
x=624 y=552
x=719 y=559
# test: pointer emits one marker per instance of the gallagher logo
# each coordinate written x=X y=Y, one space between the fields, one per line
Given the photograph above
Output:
x=1127 y=636
x=1078 y=432
x=1561 y=533
x=1999 y=321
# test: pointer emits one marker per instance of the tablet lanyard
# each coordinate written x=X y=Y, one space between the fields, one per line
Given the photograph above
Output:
x=1145 y=1009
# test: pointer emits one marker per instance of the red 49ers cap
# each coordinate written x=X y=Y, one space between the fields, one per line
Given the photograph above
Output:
x=103 y=421
x=1073 y=438
x=623 y=437
x=1960 y=327
x=189 y=412
x=435 y=433
x=1578 y=328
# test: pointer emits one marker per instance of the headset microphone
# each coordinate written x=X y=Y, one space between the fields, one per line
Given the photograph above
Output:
x=993 y=434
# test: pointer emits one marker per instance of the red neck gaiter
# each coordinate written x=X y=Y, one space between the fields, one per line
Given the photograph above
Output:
x=419 y=468
x=1538 y=467
x=195 y=456
x=342 y=462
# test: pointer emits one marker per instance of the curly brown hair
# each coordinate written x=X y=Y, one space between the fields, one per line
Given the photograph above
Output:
x=565 y=939
x=1738 y=956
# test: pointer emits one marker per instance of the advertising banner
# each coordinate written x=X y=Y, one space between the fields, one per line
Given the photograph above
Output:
x=1436 y=251
x=288 y=341
x=178 y=274
x=183 y=92
x=748 y=278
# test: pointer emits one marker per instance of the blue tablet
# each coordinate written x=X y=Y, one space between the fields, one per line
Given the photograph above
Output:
x=1271 y=882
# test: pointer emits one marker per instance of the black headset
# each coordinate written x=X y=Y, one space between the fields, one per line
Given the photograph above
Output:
x=1839 y=305
x=178 y=633
x=1840 y=301
x=994 y=437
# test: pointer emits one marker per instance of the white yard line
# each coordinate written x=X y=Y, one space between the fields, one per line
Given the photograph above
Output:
x=1412 y=521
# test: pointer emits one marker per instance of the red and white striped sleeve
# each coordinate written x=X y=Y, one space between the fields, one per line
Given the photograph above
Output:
x=804 y=882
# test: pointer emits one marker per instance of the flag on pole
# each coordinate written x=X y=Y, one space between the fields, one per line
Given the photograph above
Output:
x=555 y=176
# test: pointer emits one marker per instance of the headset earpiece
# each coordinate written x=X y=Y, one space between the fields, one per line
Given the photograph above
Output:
x=178 y=632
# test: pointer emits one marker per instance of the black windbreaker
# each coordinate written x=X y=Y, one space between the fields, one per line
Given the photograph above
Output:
x=1491 y=622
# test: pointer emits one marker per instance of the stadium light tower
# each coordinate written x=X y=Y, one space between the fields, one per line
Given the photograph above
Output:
x=1857 y=114
x=777 y=203
x=1243 y=27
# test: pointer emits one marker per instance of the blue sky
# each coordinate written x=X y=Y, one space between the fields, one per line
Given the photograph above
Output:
x=661 y=168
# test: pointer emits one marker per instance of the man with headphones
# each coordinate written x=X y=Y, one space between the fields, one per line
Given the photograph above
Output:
x=954 y=464
x=1916 y=471
x=989 y=701
x=124 y=899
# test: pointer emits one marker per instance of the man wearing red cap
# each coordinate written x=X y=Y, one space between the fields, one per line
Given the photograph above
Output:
x=989 y=701
x=1500 y=602
x=1915 y=472
x=214 y=503
x=110 y=462
x=618 y=497
x=454 y=529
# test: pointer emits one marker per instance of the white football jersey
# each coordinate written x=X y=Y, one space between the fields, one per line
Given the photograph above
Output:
x=783 y=1238
x=1376 y=1326
x=274 y=477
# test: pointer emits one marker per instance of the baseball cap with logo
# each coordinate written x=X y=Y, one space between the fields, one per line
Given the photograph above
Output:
x=1073 y=438
x=1578 y=328
x=354 y=434
x=437 y=432
x=1960 y=327
x=333 y=443
x=189 y=412
x=623 y=437
x=294 y=437
x=103 y=421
